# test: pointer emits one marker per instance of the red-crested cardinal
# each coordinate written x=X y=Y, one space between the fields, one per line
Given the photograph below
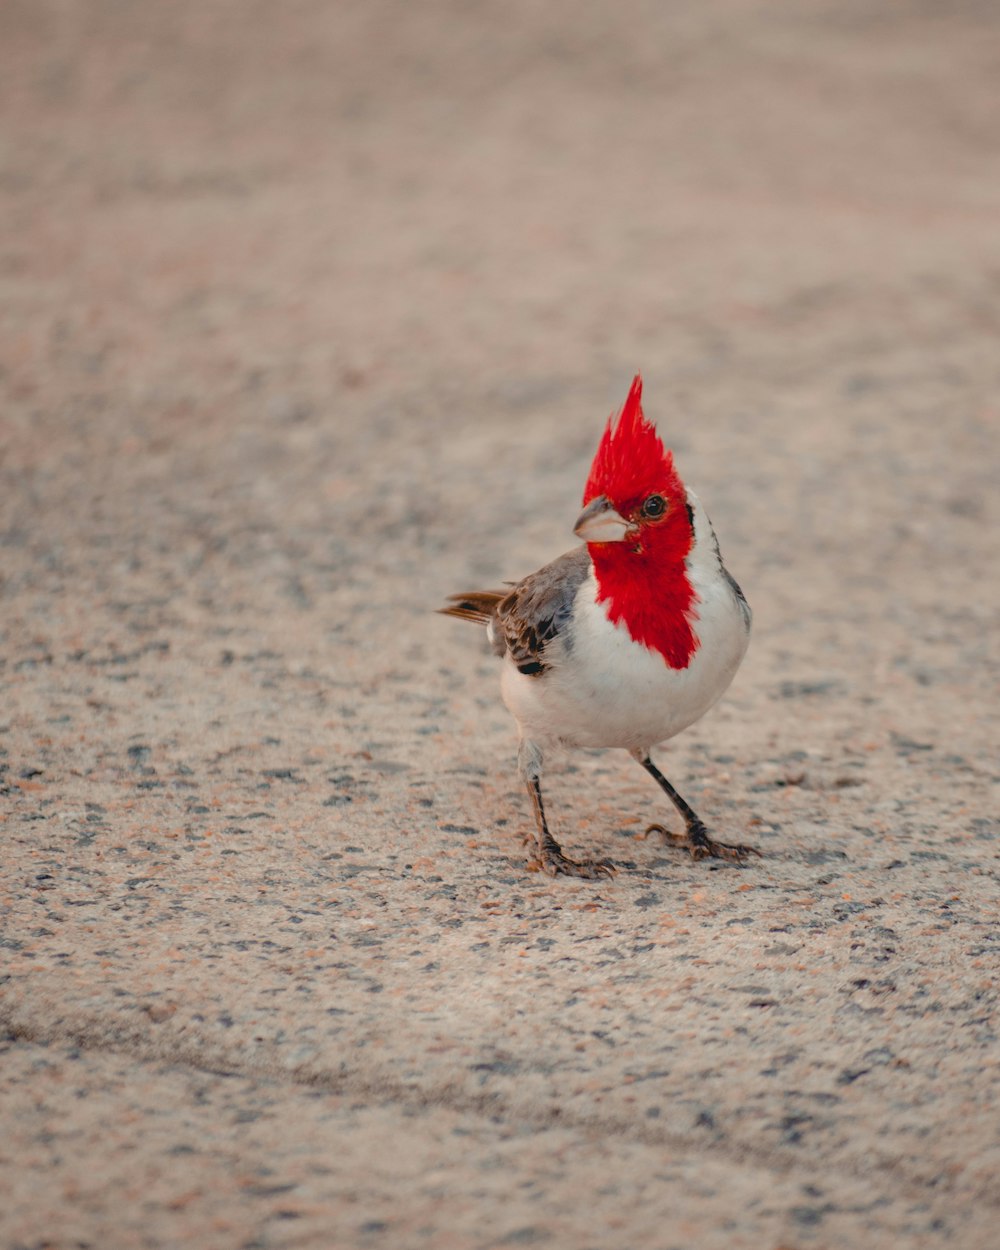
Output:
x=625 y=641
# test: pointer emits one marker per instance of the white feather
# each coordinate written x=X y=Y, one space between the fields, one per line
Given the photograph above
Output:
x=605 y=690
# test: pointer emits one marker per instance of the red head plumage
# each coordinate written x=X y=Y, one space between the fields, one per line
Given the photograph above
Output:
x=631 y=461
x=642 y=579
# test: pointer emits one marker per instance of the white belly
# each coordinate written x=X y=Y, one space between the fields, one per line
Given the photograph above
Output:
x=608 y=691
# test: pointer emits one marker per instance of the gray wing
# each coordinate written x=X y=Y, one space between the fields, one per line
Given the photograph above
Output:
x=734 y=586
x=741 y=598
x=539 y=609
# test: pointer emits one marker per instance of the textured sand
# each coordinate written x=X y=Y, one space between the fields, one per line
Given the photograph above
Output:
x=311 y=315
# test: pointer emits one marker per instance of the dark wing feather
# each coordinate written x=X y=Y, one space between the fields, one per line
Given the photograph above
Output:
x=531 y=614
x=474 y=605
x=539 y=608
x=478 y=606
x=741 y=598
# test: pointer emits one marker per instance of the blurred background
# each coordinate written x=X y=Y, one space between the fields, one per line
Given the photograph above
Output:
x=384 y=265
x=311 y=314
x=392 y=265
x=479 y=195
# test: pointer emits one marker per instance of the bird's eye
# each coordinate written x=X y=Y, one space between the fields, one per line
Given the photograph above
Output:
x=654 y=507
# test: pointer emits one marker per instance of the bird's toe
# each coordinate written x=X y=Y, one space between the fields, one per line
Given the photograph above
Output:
x=737 y=852
x=675 y=839
x=556 y=864
x=700 y=846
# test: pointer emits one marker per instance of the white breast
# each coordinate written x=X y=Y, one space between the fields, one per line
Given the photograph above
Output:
x=604 y=690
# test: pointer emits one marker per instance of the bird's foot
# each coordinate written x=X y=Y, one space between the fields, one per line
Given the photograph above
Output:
x=696 y=840
x=551 y=860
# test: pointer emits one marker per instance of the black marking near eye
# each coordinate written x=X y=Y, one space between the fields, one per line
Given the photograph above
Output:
x=690 y=515
x=654 y=507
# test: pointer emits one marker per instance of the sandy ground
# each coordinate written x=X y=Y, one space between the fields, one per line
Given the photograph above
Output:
x=310 y=315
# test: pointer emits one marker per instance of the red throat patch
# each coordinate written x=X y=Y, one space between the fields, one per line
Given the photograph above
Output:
x=643 y=581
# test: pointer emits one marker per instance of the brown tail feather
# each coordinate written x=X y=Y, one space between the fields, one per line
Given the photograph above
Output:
x=476 y=605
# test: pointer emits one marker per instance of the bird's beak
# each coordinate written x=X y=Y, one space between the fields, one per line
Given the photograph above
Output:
x=600 y=523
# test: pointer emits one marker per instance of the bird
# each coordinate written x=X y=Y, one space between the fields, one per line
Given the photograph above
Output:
x=624 y=641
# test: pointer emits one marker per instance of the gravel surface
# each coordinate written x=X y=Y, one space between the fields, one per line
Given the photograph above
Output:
x=311 y=315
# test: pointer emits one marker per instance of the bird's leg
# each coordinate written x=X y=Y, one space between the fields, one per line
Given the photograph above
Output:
x=695 y=836
x=549 y=856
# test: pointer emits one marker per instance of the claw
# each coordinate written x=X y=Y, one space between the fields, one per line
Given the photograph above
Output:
x=556 y=864
x=701 y=846
x=548 y=855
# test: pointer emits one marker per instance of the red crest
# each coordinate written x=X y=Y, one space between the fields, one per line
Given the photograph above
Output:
x=631 y=461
